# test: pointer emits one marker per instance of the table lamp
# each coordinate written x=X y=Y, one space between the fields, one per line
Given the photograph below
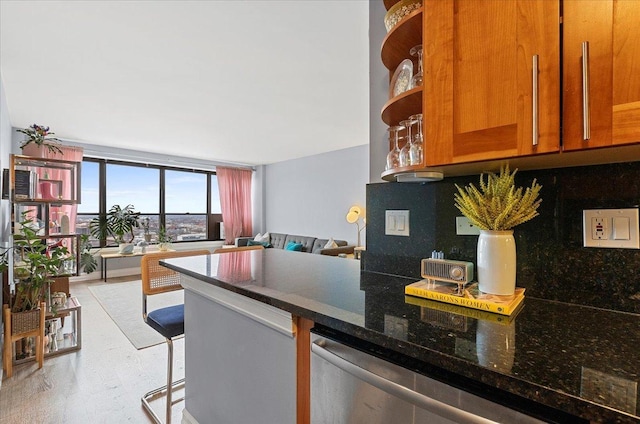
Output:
x=353 y=217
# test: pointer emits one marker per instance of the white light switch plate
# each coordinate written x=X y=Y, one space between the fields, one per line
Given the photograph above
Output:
x=611 y=228
x=396 y=223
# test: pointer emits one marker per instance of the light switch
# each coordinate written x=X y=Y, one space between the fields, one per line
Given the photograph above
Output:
x=621 y=228
x=400 y=222
x=396 y=223
x=391 y=223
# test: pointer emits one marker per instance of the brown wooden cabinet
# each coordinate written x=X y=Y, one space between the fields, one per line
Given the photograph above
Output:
x=478 y=93
x=611 y=30
x=482 y=100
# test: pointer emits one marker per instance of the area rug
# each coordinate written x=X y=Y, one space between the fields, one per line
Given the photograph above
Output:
x=123 y=303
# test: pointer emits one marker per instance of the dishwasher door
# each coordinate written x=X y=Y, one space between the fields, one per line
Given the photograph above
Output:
x=352 y=387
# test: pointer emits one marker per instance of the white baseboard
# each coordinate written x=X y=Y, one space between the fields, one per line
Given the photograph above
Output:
x=187 y=418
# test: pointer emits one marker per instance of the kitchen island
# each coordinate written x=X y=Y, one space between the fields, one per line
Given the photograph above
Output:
x=552 y=360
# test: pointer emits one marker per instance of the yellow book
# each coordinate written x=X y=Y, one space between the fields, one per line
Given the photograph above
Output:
x=435 y=307
x=471 y=297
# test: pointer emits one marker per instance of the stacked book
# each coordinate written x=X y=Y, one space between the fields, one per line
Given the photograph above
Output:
x=466 y=295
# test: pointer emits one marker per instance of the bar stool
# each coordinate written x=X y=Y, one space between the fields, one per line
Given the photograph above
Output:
x=168 y=321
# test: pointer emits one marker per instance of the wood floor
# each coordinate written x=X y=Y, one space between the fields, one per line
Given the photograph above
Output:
x=100 y=383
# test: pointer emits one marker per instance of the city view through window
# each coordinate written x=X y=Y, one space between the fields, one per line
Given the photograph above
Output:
x=185 y=214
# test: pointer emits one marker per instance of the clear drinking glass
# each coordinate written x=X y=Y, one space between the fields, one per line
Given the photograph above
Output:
x=417 y=144
x=393 y=157
x=416 y=80
x=405 y=159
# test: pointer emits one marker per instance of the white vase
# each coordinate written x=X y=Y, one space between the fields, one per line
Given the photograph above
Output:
x=497 y=262
x=125 y=248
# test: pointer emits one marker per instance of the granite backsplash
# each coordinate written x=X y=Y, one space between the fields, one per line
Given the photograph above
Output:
x=552 y=263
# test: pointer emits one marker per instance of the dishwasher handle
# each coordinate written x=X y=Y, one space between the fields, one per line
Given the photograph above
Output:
x=398 y=390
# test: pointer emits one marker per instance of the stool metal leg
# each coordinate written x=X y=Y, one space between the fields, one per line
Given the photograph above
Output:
x=165 y=390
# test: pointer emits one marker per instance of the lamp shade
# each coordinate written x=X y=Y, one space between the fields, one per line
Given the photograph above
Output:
x=353 y=214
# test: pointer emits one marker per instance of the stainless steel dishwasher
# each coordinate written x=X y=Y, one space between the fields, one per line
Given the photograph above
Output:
x=349 y=386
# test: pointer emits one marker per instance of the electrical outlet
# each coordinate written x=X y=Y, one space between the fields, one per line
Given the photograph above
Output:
x=465 y=228
x=611 y=228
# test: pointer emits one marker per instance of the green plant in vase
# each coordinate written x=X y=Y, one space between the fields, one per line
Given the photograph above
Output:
x=496 y=208
x=164 y=239
x=118 y=223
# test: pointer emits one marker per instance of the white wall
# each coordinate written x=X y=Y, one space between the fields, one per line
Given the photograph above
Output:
x=378 y=92
x=311 y=196
x=5 y=148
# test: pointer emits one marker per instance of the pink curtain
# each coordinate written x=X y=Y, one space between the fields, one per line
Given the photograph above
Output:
x=235 y=200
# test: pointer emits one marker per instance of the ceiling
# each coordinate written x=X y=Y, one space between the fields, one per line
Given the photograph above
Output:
x=248 y=82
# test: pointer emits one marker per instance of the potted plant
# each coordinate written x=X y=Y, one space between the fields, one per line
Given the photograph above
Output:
x=41 y=137
x=34 y=266
x=496 y=208
x=118 y=223
x=164 y=239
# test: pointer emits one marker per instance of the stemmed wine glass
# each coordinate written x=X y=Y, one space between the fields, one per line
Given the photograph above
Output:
x=393 y=157
x=416 y=149
x=405 y=159
x=416 y=80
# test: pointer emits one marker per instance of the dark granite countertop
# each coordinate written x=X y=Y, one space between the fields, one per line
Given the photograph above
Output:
x=580 y=360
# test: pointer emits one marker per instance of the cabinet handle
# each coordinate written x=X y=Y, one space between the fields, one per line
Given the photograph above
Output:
x=534 y=97
x=586 y=112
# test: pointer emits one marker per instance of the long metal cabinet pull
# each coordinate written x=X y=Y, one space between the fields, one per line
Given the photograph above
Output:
x=398 y=390
x=586 y=112
x=534 y=96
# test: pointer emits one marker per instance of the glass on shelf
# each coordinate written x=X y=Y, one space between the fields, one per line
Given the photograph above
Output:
x=393 y=157
x=416 y=80
x=417 y=143
x=405 y=159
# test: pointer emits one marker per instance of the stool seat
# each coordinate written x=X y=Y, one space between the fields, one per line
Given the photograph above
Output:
x=167 y=321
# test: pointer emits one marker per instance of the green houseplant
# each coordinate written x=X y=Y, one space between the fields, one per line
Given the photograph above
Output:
x=41 y=136
x=35 y=265
x=496 y=208
x=164 y=239
x=118 y=224
x=88 y=262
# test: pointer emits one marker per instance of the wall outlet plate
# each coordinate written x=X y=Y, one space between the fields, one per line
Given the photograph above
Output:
x=465 y=228
x=611 y=228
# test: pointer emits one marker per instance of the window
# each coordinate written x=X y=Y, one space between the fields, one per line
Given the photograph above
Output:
x=185 y=205
x=186 y=202
x=133 y=185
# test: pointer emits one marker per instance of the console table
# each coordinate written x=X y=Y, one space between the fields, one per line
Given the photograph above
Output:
x=106 y=256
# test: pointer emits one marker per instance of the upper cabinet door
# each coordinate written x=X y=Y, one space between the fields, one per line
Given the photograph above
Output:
x=479 y=80
x=606 y=111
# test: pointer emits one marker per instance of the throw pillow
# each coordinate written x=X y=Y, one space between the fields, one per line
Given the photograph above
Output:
x=265 y=244
x=258 y=237
x=265 y=237
x=331 y=244
x=296 y=247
